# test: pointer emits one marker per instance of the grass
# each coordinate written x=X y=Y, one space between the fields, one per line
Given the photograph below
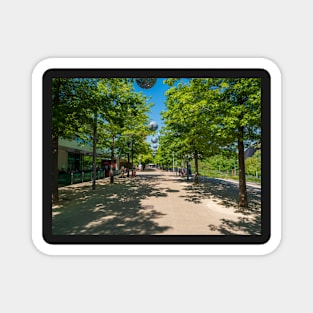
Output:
x=216 y=174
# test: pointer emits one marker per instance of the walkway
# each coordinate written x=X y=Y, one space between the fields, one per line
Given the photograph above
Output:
x=156 y=203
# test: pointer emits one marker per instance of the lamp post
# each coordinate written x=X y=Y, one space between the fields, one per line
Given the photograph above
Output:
x=173 y=162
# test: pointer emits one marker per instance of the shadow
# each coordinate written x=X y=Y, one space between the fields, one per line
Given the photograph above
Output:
x=248 y=226
x=171 y=190
x=225 y=192
x=117 y=209
x=226 y=195
x=110 y=209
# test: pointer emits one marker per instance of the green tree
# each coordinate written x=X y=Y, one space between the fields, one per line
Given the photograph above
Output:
x=71 y=100
x=224 y=161
x=186 y=118
x=213 y=115
x=134 y=129
x=97 y=111
x=239 y=120
x=253 y=164
x=121 y=116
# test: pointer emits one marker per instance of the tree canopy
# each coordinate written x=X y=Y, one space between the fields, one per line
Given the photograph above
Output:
x=106 y=112
x=205 y=116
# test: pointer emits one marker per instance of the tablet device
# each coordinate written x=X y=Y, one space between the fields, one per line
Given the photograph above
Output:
x=156 y=156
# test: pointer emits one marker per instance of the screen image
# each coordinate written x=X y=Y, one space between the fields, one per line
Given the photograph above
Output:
x=156 y=156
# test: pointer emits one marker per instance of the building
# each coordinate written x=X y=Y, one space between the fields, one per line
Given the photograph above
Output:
x=73 y=156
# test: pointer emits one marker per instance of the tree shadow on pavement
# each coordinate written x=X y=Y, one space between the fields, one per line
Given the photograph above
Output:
x=222 y=191
x=225 y=194
x=110 y=209
x=244 y=225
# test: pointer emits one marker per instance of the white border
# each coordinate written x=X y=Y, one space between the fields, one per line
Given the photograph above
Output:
x=149 y=249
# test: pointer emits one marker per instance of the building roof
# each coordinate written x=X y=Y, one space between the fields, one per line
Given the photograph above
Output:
x=77 y=147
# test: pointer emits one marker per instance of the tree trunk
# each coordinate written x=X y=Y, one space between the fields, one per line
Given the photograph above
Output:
x=94 y=153
x=196 y=168
x=132 y=151
x=243 y=199
x=128 y=164
x=112 y=162
x=55 y=190
x=55 y=152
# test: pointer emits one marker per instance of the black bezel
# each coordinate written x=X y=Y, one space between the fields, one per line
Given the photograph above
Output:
x=158 y=239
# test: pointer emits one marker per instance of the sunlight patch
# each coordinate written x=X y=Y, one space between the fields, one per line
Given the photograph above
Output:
x=99 y=221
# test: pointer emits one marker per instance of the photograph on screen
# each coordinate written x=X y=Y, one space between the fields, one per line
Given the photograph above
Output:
x=156 y=156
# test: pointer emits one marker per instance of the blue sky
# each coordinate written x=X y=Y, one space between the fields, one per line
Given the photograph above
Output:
x=158 y=98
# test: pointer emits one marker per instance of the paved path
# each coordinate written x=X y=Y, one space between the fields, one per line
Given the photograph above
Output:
x=156 y=202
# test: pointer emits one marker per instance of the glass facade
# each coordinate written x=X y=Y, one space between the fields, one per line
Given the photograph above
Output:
x=74 y=161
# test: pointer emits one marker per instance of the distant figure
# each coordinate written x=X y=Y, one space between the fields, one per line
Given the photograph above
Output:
x=188 y=170
x=123 y=172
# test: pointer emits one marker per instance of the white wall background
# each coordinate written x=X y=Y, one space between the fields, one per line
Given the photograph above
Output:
x=34 y=30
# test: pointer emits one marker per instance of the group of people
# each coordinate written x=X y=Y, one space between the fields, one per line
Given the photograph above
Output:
x=184 y=171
